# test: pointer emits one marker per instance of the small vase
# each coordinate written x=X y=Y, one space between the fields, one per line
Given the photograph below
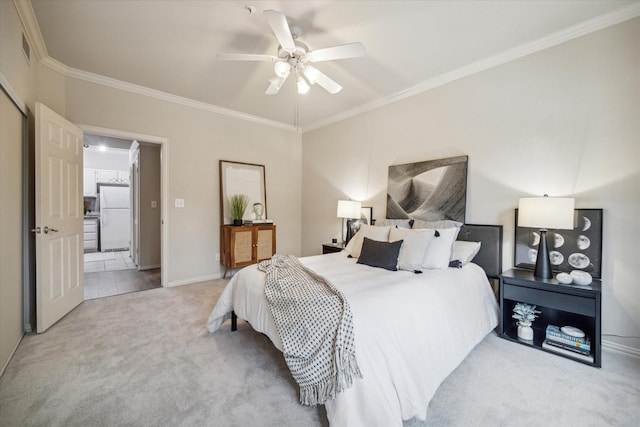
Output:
x=525 y=332
x=237 y=222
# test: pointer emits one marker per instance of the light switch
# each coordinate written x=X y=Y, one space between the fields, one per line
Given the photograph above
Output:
x=154 y=204
x=179 y=203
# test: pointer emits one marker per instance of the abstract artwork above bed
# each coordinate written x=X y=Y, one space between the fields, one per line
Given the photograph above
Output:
x=431 y=190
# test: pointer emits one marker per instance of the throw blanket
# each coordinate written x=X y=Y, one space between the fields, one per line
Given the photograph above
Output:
x=316 y=327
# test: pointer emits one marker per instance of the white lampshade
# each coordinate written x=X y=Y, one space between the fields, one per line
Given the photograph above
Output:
x=546 y=212
x=349 y=209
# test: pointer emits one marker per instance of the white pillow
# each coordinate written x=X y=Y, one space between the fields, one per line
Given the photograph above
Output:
x=380 y=234
x=439 y=250
x=414 y=247
x=464 y=251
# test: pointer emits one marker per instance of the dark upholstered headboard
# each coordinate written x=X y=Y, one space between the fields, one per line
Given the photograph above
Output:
x=490 y=238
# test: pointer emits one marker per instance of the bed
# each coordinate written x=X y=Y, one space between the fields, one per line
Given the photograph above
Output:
x=412 y=330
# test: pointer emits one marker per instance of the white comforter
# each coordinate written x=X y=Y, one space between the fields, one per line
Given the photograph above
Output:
x=412 y=331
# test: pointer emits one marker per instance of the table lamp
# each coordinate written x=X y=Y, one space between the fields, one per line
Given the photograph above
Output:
x=348 y=209
x=545 y=213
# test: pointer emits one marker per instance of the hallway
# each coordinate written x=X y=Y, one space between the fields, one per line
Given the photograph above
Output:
x=114 y=273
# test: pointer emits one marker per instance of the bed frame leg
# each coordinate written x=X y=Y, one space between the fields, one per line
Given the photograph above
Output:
x=234 y=321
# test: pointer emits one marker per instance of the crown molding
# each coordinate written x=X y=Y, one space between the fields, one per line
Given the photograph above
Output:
x=164 y=96
x=32 y=29
x=553 y=39
x=30 y=23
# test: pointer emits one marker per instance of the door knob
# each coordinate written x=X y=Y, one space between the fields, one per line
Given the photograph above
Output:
x=46 y=230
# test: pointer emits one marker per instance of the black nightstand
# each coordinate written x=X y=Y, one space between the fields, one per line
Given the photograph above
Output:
x=560 y=305
x=329 y=248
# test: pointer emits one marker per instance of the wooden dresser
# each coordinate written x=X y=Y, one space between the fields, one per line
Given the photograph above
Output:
x=247 y=244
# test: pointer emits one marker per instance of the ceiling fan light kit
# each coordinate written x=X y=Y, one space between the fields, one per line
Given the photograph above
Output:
x=282 y=69
x=293 y=56
x=303 y=87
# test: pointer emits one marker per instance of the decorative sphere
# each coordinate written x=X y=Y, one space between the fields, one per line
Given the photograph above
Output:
x=581 y=278
x=564 y=278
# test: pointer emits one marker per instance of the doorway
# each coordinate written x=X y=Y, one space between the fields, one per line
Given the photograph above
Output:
x=52 y=294
x=125 y=255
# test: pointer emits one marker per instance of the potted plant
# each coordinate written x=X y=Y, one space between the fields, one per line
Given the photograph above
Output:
x=238 y=204
x=525 y=314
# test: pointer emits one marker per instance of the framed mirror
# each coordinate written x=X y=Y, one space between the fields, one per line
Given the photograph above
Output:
x=242 y=178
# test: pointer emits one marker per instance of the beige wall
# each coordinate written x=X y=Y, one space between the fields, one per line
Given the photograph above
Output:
x=29 y=81
x=198 y=139
x=15 y=69
x=563 y=121
x=150 y=190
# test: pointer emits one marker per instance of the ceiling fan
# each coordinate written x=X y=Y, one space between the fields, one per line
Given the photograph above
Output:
x=294 y=57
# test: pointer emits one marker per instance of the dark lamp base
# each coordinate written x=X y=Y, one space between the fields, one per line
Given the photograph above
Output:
x=543 y=265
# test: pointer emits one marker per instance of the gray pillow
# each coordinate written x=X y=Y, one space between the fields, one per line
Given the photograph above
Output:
x=380 y=254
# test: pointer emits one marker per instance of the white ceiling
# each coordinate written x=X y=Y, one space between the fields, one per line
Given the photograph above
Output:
x=171 y=46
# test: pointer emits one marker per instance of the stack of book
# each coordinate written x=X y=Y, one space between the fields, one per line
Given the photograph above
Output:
x=573 y=346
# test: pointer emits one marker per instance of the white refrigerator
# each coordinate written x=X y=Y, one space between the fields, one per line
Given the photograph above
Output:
x=114 y=218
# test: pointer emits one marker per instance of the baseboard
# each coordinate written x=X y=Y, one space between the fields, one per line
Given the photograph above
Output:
x=11 y=356
x=195 y=280
x=148 y=267
x=620 y=348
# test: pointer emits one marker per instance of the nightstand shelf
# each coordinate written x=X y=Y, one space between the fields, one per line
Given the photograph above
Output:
x=512 y=334
x=329 y=248
x=560 y=305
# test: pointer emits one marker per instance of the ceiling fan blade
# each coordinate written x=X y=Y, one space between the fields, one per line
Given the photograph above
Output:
x=351 y=50
x=278 y=23
x=274 y=87
x=327 y=83
x=275 y=83
x=245 y=57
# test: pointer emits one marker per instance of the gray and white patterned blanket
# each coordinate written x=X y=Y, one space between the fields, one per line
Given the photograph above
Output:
x=315 y=324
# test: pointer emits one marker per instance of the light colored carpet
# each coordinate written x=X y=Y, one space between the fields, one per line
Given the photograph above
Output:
x=99 y=256
x=146 y=359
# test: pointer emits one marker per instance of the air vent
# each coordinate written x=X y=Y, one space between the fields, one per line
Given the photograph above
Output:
x=26 y=49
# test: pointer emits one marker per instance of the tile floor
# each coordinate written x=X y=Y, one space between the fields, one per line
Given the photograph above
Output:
x=108 y=283
x=114 y=273
x=108 y=261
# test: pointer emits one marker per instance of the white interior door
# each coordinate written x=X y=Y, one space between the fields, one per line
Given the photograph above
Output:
x=59 y=217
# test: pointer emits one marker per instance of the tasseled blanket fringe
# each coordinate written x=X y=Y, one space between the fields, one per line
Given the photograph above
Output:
x=319 y=393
